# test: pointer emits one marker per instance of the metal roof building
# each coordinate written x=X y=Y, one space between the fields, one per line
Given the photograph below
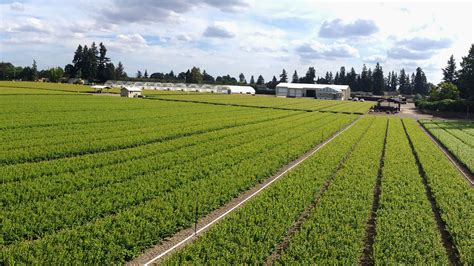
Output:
x=317 y=91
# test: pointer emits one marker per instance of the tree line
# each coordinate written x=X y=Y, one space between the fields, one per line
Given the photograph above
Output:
x=368 y=80
x=90 y=63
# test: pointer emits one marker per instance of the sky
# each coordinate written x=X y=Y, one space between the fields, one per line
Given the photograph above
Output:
x=255 y=37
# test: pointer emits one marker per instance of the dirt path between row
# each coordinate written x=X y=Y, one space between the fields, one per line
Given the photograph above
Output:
x=180 y=239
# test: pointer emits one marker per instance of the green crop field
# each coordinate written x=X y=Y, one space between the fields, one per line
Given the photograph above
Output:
x=457 y=137
x=267 y=101
x=99 y=180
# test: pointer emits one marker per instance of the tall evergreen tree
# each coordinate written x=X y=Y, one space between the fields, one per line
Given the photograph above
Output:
x=449 y=72
x=242 y=79
x=336 y=79
x=260 y=80
x=34 y=71
x=393 y=81
x=402 y=82
x=378 y=80
x=139 y=74
x=351 y=79
x=103 y=60
x=252 y=80
x=120 y=71
x=206 y=78
x=342 y=76
x=310 y=75
x=295 y=78
x=466 y=75
x=272 y=84
x=420 y=85
x=196 y=76
x=77 y=60
x=283 y=76
x=365 y=77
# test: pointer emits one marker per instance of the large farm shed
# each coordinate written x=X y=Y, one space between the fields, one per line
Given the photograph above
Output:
x=318 y=91
x=131 y=92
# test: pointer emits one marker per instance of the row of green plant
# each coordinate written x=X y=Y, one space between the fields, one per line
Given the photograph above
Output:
x=250 y=234
x=335 y=231
x=283 y=103
x=461 y=147
x=406 y=230
x=135 y=162
x=113 y=223
x=454 y=196
x=29 y=170
x=166 y=128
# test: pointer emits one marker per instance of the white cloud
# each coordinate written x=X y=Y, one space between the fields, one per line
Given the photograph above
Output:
x=30 y=25
x=128 y=43
x=338 y=28
x=317 y=50
x=184 y=37
x=16 y=6
x=220 y=30
x=375 y=59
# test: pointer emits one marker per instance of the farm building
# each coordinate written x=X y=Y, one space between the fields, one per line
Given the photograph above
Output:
x=131 y=92
x=318 y=91
x=232 y=89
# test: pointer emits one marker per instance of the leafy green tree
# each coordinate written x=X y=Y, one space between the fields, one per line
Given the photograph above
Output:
x=55 y=74
x=196 y=76
x=466 y=75
x=443 y=91
x=139 y=74
x=283 y=76
x=449 y=72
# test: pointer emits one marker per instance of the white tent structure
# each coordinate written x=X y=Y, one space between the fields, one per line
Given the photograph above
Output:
x=233 y=89
x=318 y=91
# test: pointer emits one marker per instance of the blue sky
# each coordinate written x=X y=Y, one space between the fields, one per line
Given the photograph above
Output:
x=232 y=36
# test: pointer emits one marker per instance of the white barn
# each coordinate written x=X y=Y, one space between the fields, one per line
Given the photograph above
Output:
x=318 y=91
x=131 y=92
x=234 y=89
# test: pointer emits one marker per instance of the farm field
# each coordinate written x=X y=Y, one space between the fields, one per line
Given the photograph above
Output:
x=99 y=180
x=93 y=179
x=457 y=137
x=9 y=87
x=332 y=195
x=273 y=102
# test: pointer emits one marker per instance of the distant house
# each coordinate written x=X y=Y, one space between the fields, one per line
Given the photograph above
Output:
x=131 y=92
x=318 y=91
